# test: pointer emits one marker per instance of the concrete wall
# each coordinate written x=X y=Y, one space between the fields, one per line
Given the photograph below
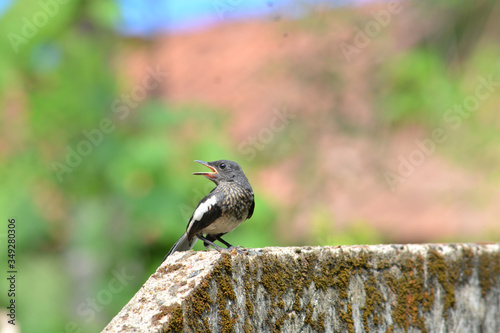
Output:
x=384 y=288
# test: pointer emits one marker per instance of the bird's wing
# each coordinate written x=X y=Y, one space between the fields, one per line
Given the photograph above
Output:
x=207 y=211
x=250 y=212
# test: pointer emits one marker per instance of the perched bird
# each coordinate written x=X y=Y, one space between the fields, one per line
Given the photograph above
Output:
x=229 y=204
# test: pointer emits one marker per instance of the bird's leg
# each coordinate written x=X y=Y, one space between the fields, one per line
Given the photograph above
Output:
x=210 y=238
x=218 y=237
x=239 y=248
x=210 y=243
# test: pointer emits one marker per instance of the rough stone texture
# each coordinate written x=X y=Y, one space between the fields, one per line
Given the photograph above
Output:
x=384 y=288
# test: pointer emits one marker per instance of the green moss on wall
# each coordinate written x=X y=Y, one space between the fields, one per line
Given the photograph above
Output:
x=408 y=282
x=489 y=271
x=447 y=276
x=409 y=292
x=176 y=323
x=374 y=303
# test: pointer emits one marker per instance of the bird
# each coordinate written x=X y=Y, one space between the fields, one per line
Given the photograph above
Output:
x=229 y=204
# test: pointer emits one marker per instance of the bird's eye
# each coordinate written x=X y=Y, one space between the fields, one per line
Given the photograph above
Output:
x=222 y=165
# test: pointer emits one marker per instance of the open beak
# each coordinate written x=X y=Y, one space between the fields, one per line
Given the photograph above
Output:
x=212 y=174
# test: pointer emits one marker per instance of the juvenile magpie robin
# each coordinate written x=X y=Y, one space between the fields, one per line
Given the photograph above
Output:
x=223 y=209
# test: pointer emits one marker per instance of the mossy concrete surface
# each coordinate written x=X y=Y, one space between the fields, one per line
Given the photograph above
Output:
x=380 y=288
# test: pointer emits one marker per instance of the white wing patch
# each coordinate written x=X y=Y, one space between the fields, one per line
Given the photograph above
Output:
x=201 y=210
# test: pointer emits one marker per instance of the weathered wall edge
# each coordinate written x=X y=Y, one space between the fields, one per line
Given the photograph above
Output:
x=381 y=288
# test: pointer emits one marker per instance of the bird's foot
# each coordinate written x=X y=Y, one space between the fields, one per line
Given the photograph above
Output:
x=221 y=250
x=214 y=247
x=237 y=249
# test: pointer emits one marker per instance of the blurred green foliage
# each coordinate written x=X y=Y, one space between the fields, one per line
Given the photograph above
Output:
x=420 y=88
x=326 y=231
x=124 y=204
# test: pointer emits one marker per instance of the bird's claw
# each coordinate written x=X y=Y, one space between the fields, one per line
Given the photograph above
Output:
x=225 y=251
x=237 y=249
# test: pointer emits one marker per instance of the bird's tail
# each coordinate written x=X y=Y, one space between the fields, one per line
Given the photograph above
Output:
x=183 y=244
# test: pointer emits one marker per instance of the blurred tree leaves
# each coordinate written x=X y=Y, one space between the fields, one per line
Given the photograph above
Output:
x=120 y=207
x=418 y=89
x=129 y=199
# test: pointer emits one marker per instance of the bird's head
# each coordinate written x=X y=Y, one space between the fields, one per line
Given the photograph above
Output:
x=223 y=171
